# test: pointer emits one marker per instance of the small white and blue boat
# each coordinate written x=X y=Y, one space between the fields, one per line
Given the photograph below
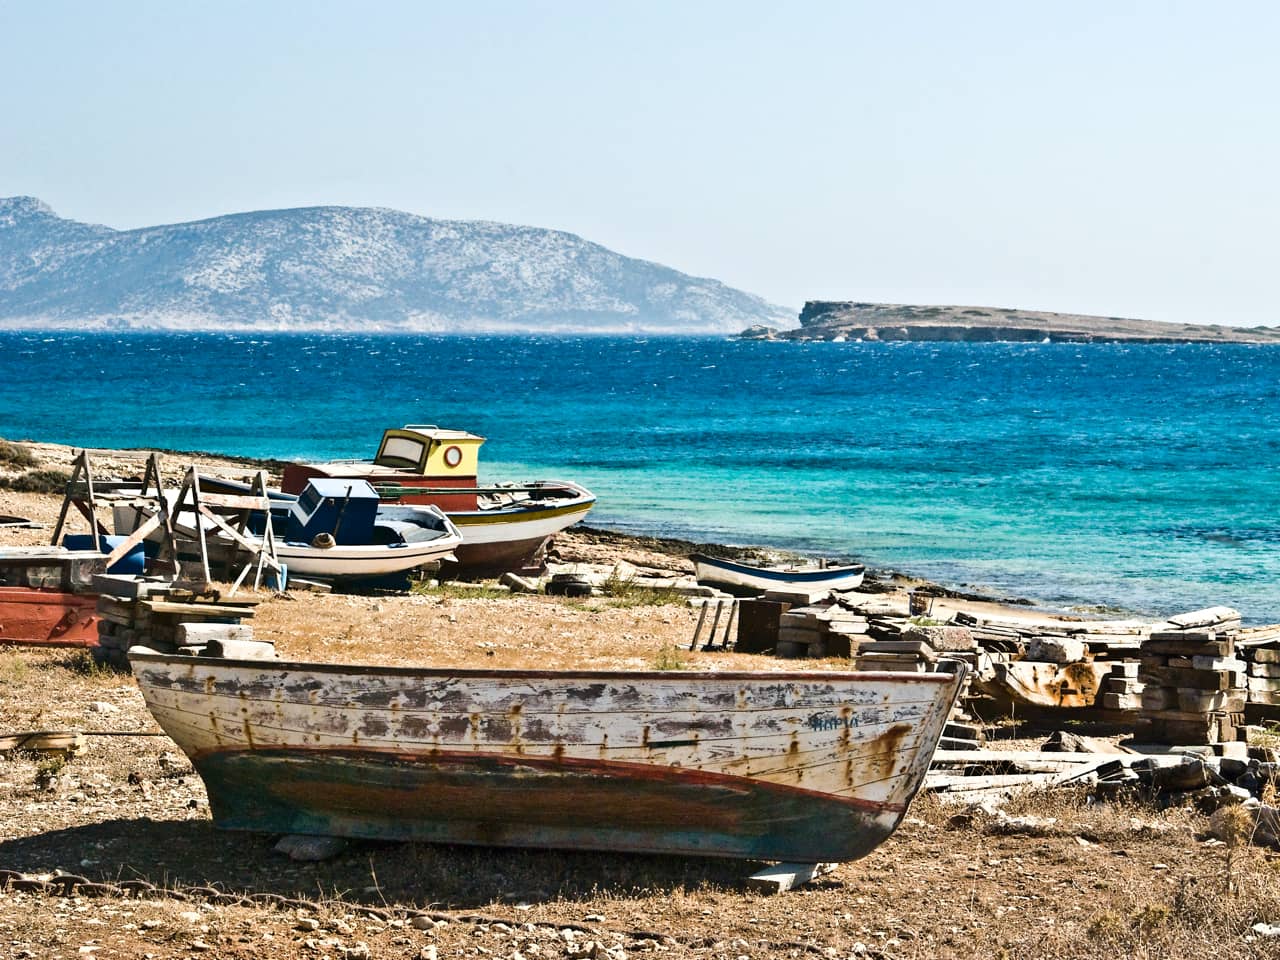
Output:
x=743 y=579
x=335 y=530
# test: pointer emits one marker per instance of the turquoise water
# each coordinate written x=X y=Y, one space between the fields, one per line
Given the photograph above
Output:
x=1140 y=478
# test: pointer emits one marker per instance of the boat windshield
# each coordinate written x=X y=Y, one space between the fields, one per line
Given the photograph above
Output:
x=308 y=501
x=401 y=452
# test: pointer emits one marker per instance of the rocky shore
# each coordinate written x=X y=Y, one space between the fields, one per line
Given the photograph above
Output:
x=851 y=320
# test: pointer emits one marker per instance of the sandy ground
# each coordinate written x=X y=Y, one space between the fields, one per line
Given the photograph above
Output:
x=1098 y=881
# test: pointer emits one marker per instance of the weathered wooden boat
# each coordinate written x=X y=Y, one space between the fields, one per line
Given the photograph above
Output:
x=47 y=597
x=797 y=767
x=746 y=580
x=504 y=526
x=336 y=530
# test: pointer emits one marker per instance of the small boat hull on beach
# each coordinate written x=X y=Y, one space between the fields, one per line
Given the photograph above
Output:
x=504 y=526
x=51 y=618
x=495 y=541
x=746 y=580
x=799 y=767
x=338 y=531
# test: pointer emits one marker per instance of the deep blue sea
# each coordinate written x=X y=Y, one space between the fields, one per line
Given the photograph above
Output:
x=1141 y=479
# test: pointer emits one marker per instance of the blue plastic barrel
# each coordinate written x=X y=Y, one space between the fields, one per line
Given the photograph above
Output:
x=132 y=563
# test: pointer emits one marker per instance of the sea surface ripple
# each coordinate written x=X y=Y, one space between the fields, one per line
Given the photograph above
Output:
x=1134 y=478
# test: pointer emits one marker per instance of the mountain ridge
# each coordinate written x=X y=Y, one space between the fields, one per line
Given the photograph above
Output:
x=345 y=269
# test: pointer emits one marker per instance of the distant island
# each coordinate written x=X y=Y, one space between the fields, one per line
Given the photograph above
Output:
x=848 y=320
x=345 y=269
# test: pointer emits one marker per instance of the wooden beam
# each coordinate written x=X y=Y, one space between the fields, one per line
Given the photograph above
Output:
x=782 y=877
x=43 y=741
x=132 y=540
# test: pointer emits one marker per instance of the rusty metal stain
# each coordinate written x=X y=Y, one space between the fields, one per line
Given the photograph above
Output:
x=1071 y=686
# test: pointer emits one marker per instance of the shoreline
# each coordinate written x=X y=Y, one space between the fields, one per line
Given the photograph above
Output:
x=637 y=548
x=604 y=544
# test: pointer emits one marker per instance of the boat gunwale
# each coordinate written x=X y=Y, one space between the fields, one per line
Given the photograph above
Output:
x=144 y=654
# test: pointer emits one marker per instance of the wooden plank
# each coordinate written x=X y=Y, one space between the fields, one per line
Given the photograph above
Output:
x=953 y=783
x=782 y=877
x=1208 y=617
x=196 y=609
x=1022 y=756
x=697 y=630
x=711 y=636
x=132 y=541
x=43 y=741
x=234 y=502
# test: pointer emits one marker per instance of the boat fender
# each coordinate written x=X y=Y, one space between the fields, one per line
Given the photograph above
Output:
x=324 y=541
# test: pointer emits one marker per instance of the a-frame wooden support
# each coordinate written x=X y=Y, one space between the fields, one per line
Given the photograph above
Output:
x=80 y=493
x=215 y=508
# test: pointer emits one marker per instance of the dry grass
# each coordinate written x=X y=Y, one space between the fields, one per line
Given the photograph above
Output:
x=1105 y=882
x=1095 y=885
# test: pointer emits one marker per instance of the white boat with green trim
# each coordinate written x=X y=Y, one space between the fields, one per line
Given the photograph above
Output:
x=504 y=526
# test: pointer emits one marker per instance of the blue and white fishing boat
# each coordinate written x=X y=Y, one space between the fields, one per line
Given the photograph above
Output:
x=338 y=530
x=745 y=580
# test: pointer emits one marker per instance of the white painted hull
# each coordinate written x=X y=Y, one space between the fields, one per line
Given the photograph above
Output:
x=479 y=529
x=739 y=577
x=772 y=766
x=497 y=540
x=340 y=562
x=356 y=562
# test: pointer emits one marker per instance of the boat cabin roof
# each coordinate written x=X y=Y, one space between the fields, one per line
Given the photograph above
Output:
x=343 y=489
x=410 y=446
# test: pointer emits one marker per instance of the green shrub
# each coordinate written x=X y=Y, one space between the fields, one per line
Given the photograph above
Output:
x=37 y=481
x=13 y=455
x=668 y=658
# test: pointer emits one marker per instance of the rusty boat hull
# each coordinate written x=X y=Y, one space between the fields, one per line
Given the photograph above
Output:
x=52 y=618
x=799 y=767
x=47 y=596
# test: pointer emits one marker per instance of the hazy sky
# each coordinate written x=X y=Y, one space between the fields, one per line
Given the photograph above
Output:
x=1103 y=157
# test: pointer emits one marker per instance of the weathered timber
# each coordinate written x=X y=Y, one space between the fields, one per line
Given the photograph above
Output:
x=782 y=877
x=43 y=741
x=799 y=767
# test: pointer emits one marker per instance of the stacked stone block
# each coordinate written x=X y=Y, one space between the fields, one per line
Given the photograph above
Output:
x=1264 y=676
x=142 y=612
x=1122 y=689
x=819 y=631
x=1194 y=686
x=916 y=649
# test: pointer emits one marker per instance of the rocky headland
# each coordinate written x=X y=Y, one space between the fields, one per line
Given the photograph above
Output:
x=849 y=320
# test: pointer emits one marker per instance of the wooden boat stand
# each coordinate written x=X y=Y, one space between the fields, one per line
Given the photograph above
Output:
x=229 y=515
x=84 y=492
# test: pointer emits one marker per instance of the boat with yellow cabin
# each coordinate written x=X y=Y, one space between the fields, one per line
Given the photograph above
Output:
x=504 y=526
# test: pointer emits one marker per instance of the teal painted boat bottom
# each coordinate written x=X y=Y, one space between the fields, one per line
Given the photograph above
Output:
x=537 y=803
